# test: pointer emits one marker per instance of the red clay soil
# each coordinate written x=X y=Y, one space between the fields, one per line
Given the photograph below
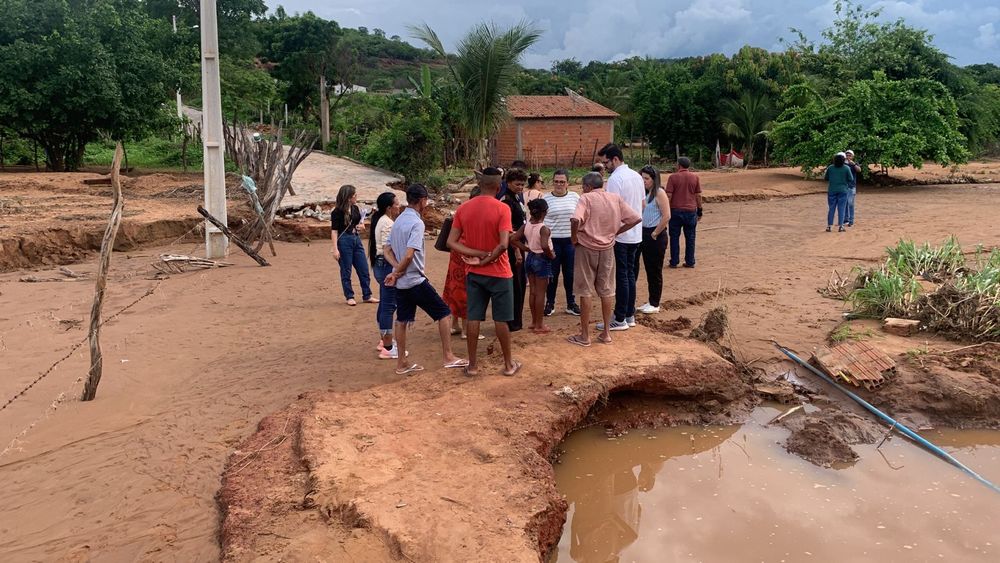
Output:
x=54 y=218
x=191 y=370
x=433 y=482
x=958 y=390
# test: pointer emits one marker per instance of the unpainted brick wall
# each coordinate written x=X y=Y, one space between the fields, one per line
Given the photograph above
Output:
x=551 y=142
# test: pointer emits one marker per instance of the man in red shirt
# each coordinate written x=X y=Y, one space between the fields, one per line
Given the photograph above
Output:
x=684 y=190
x=480 y=232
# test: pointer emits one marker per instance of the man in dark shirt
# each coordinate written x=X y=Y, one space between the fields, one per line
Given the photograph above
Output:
x=684 y=190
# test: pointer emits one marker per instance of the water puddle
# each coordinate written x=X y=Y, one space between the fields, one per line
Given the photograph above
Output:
x=734 y=494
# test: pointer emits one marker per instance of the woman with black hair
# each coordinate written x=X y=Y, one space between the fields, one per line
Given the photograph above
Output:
x=535 y=186
x=839 y=176
x=655 y=219
x=387 y=208
x=345 y=222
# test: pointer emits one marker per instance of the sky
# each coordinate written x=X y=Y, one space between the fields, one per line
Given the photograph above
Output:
x=608 y=30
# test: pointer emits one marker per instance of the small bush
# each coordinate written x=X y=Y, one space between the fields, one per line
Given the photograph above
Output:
x=966 y=306
x=18 y=152
x=411 y=145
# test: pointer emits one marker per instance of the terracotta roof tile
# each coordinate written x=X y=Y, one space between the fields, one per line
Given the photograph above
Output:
x=526 y=107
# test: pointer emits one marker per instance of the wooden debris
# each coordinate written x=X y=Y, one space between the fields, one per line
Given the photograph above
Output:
x=68 y=276
x=270 y=164
x=900 y=327
x=857 y=363
x=785 y=414
x=252 y=253
x=179 y=263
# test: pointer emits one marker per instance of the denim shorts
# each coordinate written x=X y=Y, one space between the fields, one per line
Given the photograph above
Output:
x=538 y=265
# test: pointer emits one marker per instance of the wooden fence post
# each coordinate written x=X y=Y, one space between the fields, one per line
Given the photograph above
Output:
x=107 y=245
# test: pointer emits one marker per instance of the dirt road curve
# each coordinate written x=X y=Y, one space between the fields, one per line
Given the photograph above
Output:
x=190 y=370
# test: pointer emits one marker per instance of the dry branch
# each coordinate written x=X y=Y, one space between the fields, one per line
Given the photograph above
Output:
x=271 y=165
x=235 y=239
x=107 y=245
x=180 y=263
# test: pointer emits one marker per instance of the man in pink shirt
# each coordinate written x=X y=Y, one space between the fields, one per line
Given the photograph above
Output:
x=599 y=218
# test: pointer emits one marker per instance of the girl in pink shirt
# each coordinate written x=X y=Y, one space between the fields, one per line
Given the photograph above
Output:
x=534 y=239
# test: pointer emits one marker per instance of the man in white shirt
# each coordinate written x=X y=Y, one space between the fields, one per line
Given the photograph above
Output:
x=562 y=204
x=628 y=184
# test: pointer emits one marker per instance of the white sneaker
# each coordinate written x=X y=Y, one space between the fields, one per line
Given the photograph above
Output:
x=648 y=309
x=630 y=321
x=391 y=354
x=615 y=325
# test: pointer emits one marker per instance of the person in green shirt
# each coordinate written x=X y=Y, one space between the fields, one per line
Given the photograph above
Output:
x=839 y=176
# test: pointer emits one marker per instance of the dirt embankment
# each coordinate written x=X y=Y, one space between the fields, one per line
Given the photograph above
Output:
x=959 y=389
x=474 y=453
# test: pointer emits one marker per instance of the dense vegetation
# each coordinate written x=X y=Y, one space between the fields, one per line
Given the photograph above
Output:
x=75 y=74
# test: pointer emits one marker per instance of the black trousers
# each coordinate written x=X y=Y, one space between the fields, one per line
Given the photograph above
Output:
x=520 y=285
x=653 y=252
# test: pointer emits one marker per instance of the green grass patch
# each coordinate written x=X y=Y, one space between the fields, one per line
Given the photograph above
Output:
x=154 y=153
x=964 y=303
x=846 y=332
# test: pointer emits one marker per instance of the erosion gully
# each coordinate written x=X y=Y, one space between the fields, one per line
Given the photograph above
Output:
x=732 y=493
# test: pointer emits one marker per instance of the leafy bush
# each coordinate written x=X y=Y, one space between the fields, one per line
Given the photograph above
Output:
x=17 y=151
x=411 y=145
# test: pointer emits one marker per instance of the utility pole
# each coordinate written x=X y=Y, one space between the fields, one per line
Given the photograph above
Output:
x=180 y=111
x=216 y=242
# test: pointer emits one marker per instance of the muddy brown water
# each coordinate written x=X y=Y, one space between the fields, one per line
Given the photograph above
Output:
x=734 y=494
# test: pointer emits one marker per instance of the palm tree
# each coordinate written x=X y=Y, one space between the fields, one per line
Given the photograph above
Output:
x=484 y=68
x=747 y=119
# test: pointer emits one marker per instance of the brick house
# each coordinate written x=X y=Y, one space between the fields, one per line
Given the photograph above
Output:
x=554 y=131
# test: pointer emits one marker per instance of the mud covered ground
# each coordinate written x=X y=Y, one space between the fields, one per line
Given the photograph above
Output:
x=192 y=369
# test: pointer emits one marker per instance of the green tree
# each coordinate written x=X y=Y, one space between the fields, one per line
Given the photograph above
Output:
x=74 y=71
x=888 y=123
x=236 y=34
x=672 y=107
x=747 y=120
x=302 y=49
x=484 y=69
x=411 y=145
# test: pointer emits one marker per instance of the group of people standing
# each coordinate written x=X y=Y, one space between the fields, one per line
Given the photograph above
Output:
x=842 y=190
x=511 y=241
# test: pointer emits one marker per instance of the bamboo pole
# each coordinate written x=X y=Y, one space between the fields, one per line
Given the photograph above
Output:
x=107 y=246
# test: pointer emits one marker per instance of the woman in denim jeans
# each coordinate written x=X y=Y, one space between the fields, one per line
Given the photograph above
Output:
x=387 y=208
x=839 y=176
x=345 y=222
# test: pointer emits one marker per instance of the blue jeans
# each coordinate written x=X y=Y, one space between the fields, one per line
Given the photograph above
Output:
x=851 y=194
x=686 y=221
x=386 y=297
x=352 y=254
x=565 y=254
x=836 y=203
x=626 y=268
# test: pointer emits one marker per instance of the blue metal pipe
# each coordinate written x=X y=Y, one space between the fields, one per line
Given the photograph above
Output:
x=901 y=427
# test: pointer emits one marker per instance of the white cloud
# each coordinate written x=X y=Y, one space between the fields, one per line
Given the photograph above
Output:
x=600 y=30
x=988 y=38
